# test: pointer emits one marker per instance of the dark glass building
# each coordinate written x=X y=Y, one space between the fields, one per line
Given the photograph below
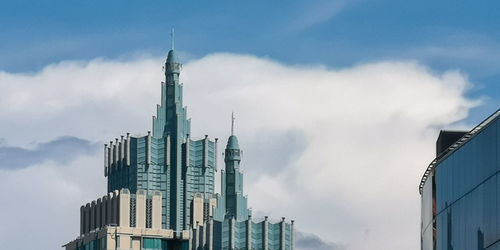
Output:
x=459 y=191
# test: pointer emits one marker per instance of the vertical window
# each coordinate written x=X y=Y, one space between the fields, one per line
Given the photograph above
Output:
x=132 y=211
x=149 y=213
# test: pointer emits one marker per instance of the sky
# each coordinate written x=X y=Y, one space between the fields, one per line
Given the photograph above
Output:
x=338 y=103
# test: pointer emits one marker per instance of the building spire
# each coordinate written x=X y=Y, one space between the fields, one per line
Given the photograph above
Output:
x=232 y=123
x=172 y=39
x=172 y=65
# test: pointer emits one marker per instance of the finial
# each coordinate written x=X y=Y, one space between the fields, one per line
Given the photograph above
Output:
x=232 y=123
x=172 y=37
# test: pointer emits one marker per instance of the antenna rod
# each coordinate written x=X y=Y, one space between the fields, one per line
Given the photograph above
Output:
x=232 y=123
x=172 y=38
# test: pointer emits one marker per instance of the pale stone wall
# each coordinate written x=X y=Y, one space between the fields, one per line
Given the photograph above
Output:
x=197 y=210
x=124 y=208
x=125 y=236
x=156 y=210
x=140 y=204
x=114 y=209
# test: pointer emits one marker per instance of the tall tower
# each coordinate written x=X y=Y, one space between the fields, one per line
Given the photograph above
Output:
x=235 y=202
x=171 y=128
x=167 y=159
x=166 y=171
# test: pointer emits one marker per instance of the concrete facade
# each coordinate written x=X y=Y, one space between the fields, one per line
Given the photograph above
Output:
x=125 y=238
x=100 y=229
x=114 y=209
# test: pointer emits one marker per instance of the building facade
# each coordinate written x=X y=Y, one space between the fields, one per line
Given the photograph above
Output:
x=161 y=190
x=460 y=190
x=122 y=220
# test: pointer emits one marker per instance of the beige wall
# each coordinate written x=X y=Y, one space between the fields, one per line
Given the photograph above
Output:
x=197 y=210
x=140 y=208
x=213 y=204
x=126 y=235
x=113 y=209
x=156 y=210
x=124 y=208
x=136 y=243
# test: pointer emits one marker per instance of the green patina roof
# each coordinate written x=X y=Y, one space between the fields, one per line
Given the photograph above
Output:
x=172 y=57
x=232 y=142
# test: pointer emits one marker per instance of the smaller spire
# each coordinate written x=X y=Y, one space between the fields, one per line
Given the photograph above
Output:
x=232 y=142
x=172 y=38
x=232 y=123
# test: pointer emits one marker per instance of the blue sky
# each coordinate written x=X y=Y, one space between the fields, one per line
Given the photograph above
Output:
x=335 y=77
x=444 y=35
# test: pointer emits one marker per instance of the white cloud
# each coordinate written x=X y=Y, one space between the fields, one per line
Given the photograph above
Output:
x=360 y=136
x=43 y=202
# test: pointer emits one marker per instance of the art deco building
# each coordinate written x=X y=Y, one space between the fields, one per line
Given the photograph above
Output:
x=161 y=192
x=460 y=190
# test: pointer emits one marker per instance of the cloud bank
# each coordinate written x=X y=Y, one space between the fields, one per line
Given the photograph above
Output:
x=341 y=151
x=311 y=241
x=61 y=150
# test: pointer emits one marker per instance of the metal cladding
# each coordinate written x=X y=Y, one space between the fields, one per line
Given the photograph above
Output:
x=460 y=190
x=167 y=182
x=166 y=159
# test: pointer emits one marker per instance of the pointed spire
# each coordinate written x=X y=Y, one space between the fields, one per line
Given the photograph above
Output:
x=172 y=65
x=232 y=123
x=232 y=142
x=172 y=39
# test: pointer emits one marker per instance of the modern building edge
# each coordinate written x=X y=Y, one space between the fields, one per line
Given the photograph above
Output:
x=460 y=190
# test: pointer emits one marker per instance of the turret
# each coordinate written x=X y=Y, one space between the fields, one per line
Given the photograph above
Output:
x=172 y=64
x=232 y=152
x=235 y=201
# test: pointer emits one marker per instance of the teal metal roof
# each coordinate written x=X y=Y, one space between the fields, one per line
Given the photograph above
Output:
x=172 y=57
x=232 y=142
